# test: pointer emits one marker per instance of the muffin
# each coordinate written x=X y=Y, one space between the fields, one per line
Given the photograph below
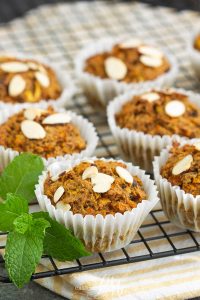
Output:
x=143 y=123
x=102 y=201
x=46 y=131
x=27 y=80
x=109 y=67
x=194 y=51
x=197 y=42
x=177 y=174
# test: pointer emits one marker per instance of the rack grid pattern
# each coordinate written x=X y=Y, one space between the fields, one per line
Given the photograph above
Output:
x=49 y=32
x=193 y=244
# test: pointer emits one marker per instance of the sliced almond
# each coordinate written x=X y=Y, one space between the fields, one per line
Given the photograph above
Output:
x=175 y=108
x=42 y=78
x=124 y=174
x=151 y=61
x=63 y=206
x=183 y=165
x=14 y=67
x=58 y=118
x=102 y=178
x=42 y=69
x=115 y=68
x=150 y=51
x=32 y=130
x=90 y=172
x=33 y=66
x=32 y=113
x=101 y=187
x=58 y=194
x=16 y=86
x=197 y=146
x=132 y=43
x=55 y=178
x=150 y=97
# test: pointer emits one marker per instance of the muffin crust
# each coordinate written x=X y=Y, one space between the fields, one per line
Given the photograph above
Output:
x=60 y=139
x=188 y=180
x=197 y=42
x=34 y=87
x=131 y=57
x=79 y=193
x=152 y=118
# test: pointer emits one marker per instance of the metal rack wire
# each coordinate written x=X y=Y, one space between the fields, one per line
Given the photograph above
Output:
x=193 y=244
x=59 y=38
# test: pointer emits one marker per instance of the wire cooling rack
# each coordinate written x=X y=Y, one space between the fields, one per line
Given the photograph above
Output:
x=156 y=239
x=50 y=32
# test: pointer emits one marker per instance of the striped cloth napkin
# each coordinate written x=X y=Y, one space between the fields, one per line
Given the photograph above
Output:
x=58 y=32
x=174 y=277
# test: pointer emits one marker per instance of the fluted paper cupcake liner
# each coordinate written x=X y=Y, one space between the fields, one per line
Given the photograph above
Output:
x=67 y=84
x=87 y=131
x=100 y=90
x=194 y=54
x=136 y=146
x=100 y=233
x=181 y=209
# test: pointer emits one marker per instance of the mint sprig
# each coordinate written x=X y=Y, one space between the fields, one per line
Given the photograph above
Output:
x=24 y=248
x=21 y=175
x=12 y=208
x=30 y=235
x=57 y=240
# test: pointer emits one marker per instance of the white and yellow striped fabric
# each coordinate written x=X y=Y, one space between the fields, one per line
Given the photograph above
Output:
x=58 y=32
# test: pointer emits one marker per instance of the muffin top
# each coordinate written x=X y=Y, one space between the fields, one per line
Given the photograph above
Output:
x=23 y=80
x=197 y=42
x=161 y=113
x=42 y=132
x=131 y=61
x=183 y=167
x=95 y=187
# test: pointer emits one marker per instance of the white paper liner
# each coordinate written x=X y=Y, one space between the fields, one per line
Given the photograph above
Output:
x=194 y=54
x=87 y=131
x=100 y=233
x=101 y=90
x=181 y=209
x=67 y=84
x=136 y=146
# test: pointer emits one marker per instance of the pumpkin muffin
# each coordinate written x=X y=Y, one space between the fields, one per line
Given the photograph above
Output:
x=102 y=201
x=95 y=188
x=128 y=63
x=145 y=122
x=27 y=81
x=41 y=131
x=197 y=42
x=177 y=174
x=108 y=68
x=183 y=167
x=161 y=113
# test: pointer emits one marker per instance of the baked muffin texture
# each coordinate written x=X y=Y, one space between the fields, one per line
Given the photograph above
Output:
x=183 y=167
x=24 y=80
x=197 y=42
x=129 y=63
x=161 y=113
x=31 y=130
x=78 y=193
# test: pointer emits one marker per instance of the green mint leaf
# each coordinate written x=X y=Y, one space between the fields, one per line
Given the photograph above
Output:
x=23 y=223
x=59 y=241
x=12 y=208
x=21 y=175
x=23 y=251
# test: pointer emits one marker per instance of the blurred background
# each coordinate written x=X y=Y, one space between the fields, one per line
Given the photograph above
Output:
x=10 y=9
